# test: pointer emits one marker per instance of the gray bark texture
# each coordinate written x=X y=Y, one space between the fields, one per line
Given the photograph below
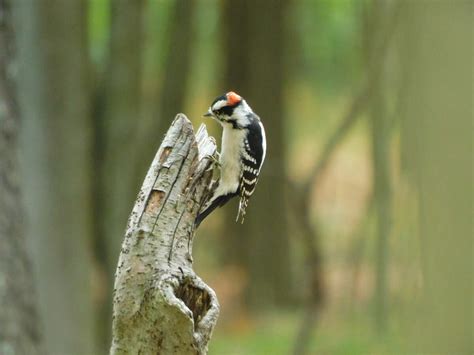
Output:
x=160 y=305
x=19 y=328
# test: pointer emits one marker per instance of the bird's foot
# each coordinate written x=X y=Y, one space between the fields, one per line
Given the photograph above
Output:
x=214 y=158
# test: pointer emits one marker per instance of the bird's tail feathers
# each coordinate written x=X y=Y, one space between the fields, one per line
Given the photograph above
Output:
x=242 y=210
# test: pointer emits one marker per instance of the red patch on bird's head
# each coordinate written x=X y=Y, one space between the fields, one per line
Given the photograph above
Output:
x=233 y=98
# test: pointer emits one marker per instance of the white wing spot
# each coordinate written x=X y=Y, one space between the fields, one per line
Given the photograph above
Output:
x=249 y=182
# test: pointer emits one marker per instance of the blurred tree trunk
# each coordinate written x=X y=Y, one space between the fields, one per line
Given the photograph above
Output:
x=436 y=42
x=56 y=143
x=255 y=68
x=122 y=95
x=235 y=20
x=19 y=333
x=377 y=17
x=383 y=200
x=116 y=122
x=177 y=65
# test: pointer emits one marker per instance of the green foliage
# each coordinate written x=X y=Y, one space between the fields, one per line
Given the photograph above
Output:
x=275 y=333
x=99 y=22
x=157 y=20
x=329 y=32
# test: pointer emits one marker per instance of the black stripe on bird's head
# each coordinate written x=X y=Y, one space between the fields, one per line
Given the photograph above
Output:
x=222 y=108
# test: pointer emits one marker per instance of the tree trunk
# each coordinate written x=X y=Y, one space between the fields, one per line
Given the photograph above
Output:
x=115 y=142
x=256 y=69
x=437 y=46
x=161 y=306
x=175 y=80
x=235 y=19
x=383 y=202
x=56 y=142
x=122 y=95
x=377 y=19
x=177 y=63
x=19 y=331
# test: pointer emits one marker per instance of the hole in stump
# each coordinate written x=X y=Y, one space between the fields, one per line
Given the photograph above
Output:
x=196 y=299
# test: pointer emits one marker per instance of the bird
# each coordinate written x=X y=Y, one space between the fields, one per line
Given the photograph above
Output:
x=243 y=151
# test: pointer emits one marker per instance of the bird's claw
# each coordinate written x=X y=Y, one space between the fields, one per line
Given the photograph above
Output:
x=214 y=158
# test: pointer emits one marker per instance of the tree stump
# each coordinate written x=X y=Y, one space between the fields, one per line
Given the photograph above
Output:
x=160 y=305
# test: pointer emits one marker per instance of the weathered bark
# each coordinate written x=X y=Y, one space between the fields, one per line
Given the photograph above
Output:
x=161 y=306
x=19 y=330
x=56 y=142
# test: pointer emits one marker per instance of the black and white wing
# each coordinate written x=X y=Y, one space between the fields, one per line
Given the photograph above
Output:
x=253 y=155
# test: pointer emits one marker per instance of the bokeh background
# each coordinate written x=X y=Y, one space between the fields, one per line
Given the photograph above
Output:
x=358 y=239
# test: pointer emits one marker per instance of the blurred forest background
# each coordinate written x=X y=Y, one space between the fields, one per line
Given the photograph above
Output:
x=365 y=198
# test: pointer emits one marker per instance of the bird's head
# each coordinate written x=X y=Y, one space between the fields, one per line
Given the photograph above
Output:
x=229 y=109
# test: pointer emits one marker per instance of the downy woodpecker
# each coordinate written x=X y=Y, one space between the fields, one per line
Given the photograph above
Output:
x=242 y=153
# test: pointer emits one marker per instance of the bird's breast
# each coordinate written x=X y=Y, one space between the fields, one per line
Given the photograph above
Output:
x=232 y=141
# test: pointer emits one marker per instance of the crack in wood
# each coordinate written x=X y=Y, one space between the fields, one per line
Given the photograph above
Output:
x=183 y=161
x=160 y=304
x=174 y=234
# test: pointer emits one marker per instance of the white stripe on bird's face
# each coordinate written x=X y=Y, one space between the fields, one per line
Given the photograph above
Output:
x=218 y=105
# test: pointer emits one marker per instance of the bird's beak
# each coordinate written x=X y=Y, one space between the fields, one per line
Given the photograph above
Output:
x=209 y=113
